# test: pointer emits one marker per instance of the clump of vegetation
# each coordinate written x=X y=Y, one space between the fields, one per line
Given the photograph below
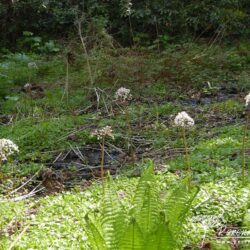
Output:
x=151 y=223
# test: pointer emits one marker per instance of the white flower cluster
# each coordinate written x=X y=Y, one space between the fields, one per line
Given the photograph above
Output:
x=7 y=148
x=123 y=94
x=126 y=7
x=27 y=86
x=32 y=65
x=247 y=98
x=129 y=8
x=183 y=120
x=104 y=132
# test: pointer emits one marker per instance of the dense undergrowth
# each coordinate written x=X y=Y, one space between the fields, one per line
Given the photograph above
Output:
x=47 y=123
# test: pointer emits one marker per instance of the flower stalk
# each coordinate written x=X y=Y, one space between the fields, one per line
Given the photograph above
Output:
x=184 y=121
x=184 y=137
x=101 y=135
x=243 y=150
x=129 y=136
x=122 y=97
x=102 y=158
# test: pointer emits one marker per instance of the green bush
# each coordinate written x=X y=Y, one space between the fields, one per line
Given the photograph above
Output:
x=142 y=21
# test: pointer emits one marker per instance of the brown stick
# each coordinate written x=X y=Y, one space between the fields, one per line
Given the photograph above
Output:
x=66 y=88
x=18 y=237
x=85 y=52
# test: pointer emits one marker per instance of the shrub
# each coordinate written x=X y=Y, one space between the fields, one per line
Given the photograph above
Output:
x=147 y=20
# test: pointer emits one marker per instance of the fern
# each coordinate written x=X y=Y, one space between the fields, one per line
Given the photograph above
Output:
x=113 y=219
x=146 y=201
x=161 y=239
x=147 y=226
x=96 y=240
x=177 y=206
x=133 y=238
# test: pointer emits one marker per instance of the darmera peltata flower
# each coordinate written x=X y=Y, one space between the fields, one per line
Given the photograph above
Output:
x=123 y=95
x=27 y=87
x=103 y=132
x=129 y=8
x=32 y=65
x=122 y=98
x=247 y=99
x=7 y=148
x=183 y=120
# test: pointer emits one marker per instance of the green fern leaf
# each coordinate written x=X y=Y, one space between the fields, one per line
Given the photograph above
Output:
x=177 y=206
x=133 y=237
x=146 y=201
x=161 y=239
x=113 y=218
x=95 y=238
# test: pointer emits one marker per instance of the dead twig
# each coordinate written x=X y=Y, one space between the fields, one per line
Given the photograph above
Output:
x=25 y=183
x=79 y=25
x=18 y=237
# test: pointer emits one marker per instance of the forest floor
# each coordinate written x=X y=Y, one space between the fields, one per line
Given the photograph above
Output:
x=55 y=179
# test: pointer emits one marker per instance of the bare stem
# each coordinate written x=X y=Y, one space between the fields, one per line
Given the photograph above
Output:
x=102 y=159
x=157 y=33
x=1 y=173
x=129 y=140
x=131 y=30
x=244 y=148
x=66 y=88
x=186 y=149
x=85 y=52
x=29 y=77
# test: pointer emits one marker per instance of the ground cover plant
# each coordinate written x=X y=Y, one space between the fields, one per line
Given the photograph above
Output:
x=111 y=147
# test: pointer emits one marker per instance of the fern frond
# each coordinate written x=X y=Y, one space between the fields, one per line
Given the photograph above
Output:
x=177 y=206
x=161 y=239
x=133 y=237
x=95 y=238
x=146 y=201
x=113 y=218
